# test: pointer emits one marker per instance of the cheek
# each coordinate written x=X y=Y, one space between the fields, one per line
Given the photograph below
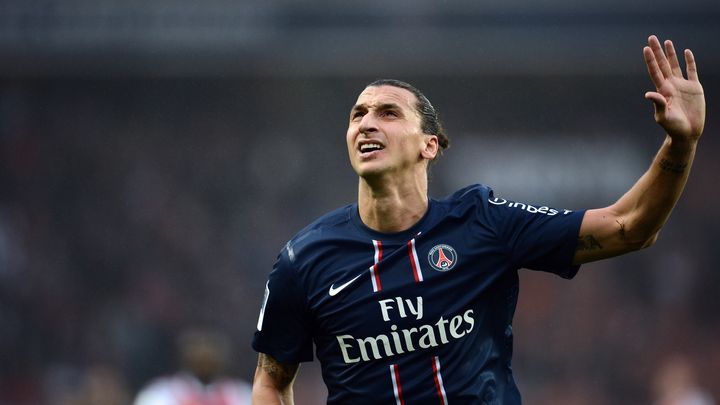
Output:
x=349 y=138
x=411 y=144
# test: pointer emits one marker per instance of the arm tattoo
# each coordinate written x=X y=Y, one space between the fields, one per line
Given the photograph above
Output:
x=673 y=167
x=282 y=374
x=588 y=242
x=622 y=228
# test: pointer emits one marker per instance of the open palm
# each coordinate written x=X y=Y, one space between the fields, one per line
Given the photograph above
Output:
x=679 y=102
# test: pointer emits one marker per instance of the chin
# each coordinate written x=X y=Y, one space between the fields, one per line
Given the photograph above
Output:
x=366 y=170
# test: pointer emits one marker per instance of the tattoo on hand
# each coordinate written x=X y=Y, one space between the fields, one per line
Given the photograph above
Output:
x=672 y=167
x=283 y=374
x=588 y=242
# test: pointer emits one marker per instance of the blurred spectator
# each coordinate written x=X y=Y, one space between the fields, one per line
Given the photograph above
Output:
x=96 y=385
x=675 y=384
x=202 y=380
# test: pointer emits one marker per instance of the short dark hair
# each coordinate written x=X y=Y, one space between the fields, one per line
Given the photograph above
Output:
x=430 y=123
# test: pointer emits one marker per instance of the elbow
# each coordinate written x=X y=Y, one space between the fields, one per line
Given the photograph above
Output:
x=640 y=243
x=637 y=241
x=637 y=235
x=650 y=241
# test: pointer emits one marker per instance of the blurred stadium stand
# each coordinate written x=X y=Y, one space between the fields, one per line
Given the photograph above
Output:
x=320 y=38
x=155 y=155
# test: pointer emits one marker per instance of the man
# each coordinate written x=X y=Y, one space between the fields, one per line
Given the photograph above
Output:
x=409 y=299
x=202 y=380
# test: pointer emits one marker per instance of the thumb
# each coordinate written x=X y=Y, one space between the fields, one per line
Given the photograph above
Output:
x=659 y=101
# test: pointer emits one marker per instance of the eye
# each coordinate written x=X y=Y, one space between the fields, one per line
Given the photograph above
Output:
x=356 y=115
x=390 y=113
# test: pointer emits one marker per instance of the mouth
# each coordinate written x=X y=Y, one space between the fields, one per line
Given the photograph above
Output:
x=367 y=148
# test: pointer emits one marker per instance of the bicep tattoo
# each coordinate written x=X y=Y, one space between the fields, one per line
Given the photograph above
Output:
x=588 y=242
x=282 y=374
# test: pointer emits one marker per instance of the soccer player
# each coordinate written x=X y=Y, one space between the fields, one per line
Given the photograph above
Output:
x=409 y=299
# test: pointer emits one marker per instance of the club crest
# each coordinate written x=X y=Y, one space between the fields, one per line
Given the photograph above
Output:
x=442 y=257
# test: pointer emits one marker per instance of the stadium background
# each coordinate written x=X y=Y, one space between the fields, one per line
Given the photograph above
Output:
x=154 y=157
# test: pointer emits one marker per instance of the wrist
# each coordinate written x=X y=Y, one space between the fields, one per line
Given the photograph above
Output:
x=680 y=145
x=676 y=155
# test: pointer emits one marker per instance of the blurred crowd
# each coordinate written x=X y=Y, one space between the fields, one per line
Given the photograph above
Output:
x=135 y=210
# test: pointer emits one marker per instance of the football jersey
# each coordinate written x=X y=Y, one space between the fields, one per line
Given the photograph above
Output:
x=422 y=316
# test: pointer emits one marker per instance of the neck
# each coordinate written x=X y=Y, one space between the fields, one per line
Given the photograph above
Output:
x=393 y=203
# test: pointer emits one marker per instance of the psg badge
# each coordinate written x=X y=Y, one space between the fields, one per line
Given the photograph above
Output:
x=442 y=257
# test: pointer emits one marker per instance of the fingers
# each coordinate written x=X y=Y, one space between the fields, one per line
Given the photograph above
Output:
x=656 y=74
x=691 y=66
x=665 y=64
x=660 y=58
x=673 y=59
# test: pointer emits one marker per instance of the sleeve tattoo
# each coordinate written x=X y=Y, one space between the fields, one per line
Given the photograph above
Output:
x=282 y=374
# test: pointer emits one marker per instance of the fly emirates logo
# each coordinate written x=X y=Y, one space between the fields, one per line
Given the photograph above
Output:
x=398 y=341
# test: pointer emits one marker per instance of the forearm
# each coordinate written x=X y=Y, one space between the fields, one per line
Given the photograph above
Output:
x=645 y=208
x=634 y=220
x=269 y=395
x=273 y=382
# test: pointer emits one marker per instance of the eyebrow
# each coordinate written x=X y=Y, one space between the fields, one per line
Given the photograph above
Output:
x=381 y=107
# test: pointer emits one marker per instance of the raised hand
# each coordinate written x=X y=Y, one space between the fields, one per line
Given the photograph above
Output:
x=679 y=102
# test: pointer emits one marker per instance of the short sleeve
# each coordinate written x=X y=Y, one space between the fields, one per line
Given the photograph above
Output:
x=538 y=237
x=283 y=329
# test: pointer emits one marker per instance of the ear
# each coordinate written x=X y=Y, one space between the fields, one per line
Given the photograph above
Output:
x=431 y=148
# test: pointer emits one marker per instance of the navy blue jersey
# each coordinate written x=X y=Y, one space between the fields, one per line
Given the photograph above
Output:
x=422 y=316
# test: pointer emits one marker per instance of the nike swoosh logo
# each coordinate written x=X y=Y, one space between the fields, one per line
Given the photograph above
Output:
x=334 y=291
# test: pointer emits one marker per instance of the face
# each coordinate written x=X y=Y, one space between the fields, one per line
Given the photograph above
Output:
x=384 y=134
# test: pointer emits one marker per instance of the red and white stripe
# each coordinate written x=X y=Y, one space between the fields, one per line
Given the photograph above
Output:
x=397 y=388
x=439 y=386
x=374 y=274
x=417 y=270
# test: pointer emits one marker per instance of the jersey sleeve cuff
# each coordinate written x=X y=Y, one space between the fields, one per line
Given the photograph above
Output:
x=284 y=357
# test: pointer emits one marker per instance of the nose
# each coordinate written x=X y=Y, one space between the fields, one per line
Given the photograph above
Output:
x=368 y=124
